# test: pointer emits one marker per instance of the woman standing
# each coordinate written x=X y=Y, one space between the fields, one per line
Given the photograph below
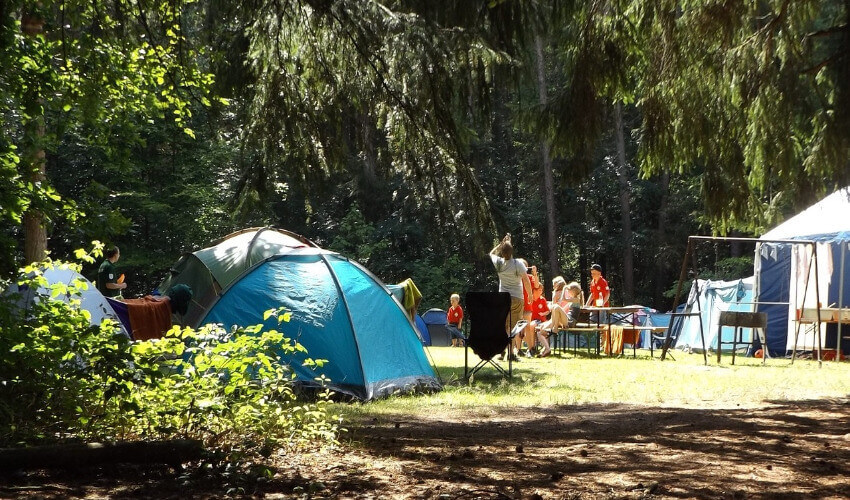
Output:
x=512 y=279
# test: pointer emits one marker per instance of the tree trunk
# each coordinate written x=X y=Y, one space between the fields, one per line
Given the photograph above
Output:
x=69 y=456
x=35 y=234
x=550 y=247
x=661 y=229
x=625 y=208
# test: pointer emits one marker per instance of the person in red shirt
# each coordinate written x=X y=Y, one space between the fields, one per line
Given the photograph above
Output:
x=599 y=294
x=527 y=313
x=539 y=315
x=454 y=318
x=599 y=291
x=539 y=305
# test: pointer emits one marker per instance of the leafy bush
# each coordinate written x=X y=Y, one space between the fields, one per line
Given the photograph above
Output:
x=228 y=389
x=57 y=372
x=61 y=378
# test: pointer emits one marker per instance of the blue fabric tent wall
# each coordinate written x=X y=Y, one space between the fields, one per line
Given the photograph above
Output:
x=341 y=313
x=435 y=319
x=775 y=283
x=653 y=318
x=424 y=334
x=773 y=271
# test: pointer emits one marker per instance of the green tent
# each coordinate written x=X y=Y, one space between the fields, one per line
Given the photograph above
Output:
x=210 y=270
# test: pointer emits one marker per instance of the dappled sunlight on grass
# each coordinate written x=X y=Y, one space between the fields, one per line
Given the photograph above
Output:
x=569 y=380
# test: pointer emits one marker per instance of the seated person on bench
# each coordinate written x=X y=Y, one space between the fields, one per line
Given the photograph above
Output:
x=539 y=313
x=566 y=300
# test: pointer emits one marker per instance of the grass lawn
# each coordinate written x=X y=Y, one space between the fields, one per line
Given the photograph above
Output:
x=569 y=380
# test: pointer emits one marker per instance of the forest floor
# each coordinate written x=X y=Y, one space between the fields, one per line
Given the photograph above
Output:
x=780 y=449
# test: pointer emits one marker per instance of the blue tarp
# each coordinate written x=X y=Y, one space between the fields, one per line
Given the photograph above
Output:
x=714 y=297
x=653 y=318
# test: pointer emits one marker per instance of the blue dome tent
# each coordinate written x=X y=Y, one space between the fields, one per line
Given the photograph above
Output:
x=340 y=312
x=435 y=319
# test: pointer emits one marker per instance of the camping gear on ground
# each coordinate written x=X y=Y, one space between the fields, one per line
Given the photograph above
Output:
x=487 y=313
x=340 y=312
x=90 y=298
x=786 y=278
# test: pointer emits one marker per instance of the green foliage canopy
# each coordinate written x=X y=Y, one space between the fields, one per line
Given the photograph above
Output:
x=753 y=93
x=97 y=69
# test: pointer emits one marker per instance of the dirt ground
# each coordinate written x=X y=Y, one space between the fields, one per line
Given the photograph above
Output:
x=796 y=449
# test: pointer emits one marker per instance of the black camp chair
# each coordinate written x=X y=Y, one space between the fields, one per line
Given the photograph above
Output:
x=487 y=313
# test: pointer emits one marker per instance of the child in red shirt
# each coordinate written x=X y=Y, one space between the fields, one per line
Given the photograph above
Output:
x=454 y=318
x=540 y=310
x=539 y=305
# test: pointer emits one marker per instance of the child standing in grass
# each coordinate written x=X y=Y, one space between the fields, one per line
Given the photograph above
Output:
x=454 y=318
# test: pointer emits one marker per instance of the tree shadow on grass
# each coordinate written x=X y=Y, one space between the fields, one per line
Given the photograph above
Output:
x=797 y=449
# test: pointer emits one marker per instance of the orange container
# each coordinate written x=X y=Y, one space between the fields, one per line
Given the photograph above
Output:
x=829 y=355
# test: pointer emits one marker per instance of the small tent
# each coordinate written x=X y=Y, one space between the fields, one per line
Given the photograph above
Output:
x=709 y=298
x=785 y=279
x=340 y=311
x=436 y=322
x=90 y=298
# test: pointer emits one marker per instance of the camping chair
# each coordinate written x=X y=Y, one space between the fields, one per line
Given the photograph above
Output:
x=487 y=312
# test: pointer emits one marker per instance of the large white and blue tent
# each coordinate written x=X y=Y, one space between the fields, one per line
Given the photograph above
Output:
x=785 y=272
x=340 y=312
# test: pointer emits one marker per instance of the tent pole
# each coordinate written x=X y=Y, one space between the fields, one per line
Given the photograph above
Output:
x=805 y=292
x=840 y=317
x=682 y=275
x=817 y=301
x=338 y=285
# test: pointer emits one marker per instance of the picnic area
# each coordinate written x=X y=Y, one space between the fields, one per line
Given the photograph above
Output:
x=403 y=249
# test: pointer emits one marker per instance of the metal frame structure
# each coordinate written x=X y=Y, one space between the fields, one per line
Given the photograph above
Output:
x=690 y=252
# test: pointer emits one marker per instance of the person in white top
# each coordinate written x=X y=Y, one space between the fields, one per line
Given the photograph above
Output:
x=512 y=278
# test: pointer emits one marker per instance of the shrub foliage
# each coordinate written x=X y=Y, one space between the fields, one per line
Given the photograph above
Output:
x=63 y=379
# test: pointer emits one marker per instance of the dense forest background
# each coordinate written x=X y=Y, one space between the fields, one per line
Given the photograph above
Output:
x=410 y=136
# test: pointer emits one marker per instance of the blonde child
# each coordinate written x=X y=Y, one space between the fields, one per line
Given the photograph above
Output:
x=454 y=320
